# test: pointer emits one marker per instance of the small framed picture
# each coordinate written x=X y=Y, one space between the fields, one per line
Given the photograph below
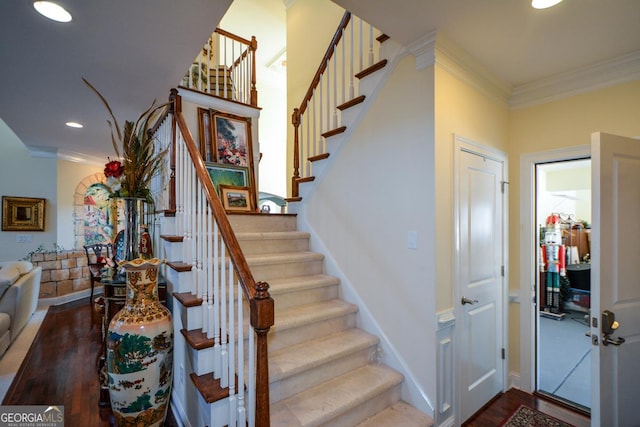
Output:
x=22 y=214
x=236 y=199
x=237 y=176
x=205 y=132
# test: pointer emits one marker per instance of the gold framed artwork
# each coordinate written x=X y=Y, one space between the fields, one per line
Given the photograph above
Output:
x=236 y=199
x=232 y=139
x=22 y=213
x=205 y=131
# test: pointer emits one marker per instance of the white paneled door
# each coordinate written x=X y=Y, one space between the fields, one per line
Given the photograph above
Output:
x=480 y=284
x=615 y=281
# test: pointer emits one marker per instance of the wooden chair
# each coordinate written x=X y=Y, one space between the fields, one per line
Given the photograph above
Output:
x=97 y=254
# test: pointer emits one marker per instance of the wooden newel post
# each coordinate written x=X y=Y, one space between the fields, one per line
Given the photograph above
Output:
x=262 y=319
x=175 y=106
x=295 y=119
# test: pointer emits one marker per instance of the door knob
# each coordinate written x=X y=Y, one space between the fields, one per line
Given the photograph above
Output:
x=466 y=300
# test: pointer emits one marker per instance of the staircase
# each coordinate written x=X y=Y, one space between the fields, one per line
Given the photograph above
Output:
x=323 y=370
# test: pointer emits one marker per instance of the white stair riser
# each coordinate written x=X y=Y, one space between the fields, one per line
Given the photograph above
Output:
x=201 y=360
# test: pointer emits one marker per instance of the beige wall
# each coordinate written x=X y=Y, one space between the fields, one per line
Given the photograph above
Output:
x=564 y=123
x=70 y=174
x=463 y=110
x=22 y=175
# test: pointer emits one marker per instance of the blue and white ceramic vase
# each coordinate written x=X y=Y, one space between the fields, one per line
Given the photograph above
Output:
x=140 y=350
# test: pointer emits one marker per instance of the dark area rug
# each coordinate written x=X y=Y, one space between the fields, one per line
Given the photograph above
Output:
x=529 y=417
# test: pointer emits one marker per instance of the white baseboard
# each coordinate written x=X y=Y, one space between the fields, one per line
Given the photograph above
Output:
x=74 y=296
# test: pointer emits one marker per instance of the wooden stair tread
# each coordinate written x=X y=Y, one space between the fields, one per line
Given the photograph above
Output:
x=306 y=179
x=318 y=157
x=355 y=101
x=372 y=69
x=335 y=131
x=187 y=299
x=171 y=238
x=179 y=266
x=197 y=339
x=209 y=387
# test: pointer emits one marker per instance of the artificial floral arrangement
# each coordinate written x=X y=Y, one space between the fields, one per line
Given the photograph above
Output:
x=138 y=163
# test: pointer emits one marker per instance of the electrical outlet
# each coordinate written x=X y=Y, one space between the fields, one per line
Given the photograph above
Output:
x=23 y=238
x=412 y=239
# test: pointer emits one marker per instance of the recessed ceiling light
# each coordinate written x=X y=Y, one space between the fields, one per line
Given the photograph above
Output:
x=52 y=11
x=74 y=125
x=543 y=4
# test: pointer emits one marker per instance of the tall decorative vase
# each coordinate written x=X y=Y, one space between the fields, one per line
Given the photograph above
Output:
x=140 y=350
x=133 y=214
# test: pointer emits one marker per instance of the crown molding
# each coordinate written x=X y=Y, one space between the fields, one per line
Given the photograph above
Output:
x=465 y=67
x=424 y=49
x=623 y=69
x=435 y=48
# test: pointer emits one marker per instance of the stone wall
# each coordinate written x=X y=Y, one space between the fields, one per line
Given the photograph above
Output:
x=63 y=272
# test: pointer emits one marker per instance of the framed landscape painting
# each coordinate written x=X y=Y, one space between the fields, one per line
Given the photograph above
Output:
x=236 y=199
x=237 y=176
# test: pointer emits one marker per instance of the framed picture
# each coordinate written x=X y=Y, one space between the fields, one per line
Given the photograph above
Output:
x=232 y=137
x=205 y=132
x=236 y=199
x=22 y=214
x=236 y=176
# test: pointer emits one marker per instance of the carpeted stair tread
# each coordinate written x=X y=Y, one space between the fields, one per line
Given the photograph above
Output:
x=298 y=358
x=310 y=313
x=260 y=235
x=319 y=405
x=288 y=284
x=282 y=258
x=399 y=414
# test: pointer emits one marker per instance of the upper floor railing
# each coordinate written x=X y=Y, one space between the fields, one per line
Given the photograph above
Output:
x=225 y=67
x=334 y=87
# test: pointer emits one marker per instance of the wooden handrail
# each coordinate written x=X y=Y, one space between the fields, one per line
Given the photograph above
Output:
x=233 y=36
x=325 y=60
x=261 y=304
x=297 y=112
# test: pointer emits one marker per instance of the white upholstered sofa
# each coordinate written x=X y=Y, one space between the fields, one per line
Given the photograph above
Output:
x=19 y=291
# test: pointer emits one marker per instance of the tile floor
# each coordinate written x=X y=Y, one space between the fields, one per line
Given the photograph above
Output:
x=13 y=357
x=564 y=365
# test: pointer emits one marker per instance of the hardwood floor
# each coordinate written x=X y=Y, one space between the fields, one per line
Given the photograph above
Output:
x=60 y=367
x=501 y=408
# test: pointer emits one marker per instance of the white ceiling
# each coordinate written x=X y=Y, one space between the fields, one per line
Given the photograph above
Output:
x=135 y=51
x=515 y=42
